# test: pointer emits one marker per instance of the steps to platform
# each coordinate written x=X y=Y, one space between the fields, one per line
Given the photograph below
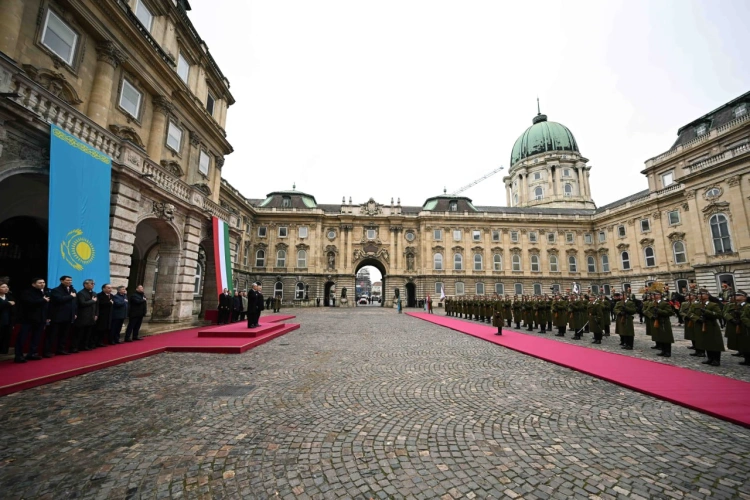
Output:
x=239 y=330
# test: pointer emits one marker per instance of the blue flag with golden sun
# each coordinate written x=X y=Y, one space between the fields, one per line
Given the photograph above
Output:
x=79 y=191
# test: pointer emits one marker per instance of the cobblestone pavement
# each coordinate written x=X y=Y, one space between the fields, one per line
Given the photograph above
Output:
x=360 y=404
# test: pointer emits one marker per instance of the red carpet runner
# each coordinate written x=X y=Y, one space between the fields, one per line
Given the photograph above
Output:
x=718 y=396
x=231 y=339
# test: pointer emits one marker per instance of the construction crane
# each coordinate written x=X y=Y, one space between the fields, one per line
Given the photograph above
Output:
x=471 y=184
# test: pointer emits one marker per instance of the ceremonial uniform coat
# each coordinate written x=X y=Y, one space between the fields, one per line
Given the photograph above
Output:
x=595 y=317
x=662 y=310
x=624 y=312
x=731 y=329
x=710 y=331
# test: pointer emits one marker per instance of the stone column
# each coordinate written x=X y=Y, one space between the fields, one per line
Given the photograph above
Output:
x=123 y=220
x=11 y=14
x=560 y=192
x=186 y=272
x=581 y=182
x=524 y=195
x=100 y=100
x=508 y=199
x=162 y=108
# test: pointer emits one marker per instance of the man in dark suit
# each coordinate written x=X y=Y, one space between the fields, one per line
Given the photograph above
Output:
x=254 y=305
x=119 y=313
x=86 y=313
x=62 y=314
x=138 y=309
x=32 y=317
x=236 y=306
x=104 y=319
x=225 y=306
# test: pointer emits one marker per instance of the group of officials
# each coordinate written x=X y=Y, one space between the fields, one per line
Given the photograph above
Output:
x=250 y=303
x=701 y=314
x=71 y=320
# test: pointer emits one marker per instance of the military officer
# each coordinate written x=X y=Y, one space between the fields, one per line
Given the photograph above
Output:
x=662 y=326
x=560 y=314
x=508 y=310
x=695 y=328
x=595 y=319
x=517 y=312
x=710 y=330
x=625 y=309
x=744 y=334
x=684 y=308
x=607 y=314
x=731 y=316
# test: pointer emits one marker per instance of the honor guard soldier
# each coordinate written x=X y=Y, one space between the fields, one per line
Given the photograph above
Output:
x=710 y=331
x=743 y=334
x=662 y=326
x=596 y=317
x=517 y=311
x=625 y=309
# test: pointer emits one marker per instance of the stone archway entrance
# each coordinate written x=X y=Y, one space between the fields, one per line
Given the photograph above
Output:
x=411 y=295
x=381 y=268
x=155 y=265
x=329 y=293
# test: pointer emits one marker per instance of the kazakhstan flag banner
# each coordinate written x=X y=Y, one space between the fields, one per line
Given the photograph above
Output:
x=79 y=192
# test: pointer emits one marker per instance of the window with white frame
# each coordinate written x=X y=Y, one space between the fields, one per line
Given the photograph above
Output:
x=740 y=110
x=204 y=163
x=553 y=264
x=278 y=290
x=516 y=262
x=538 y=193
x=712 y=193
x=281 y=258
x=588 y=238
x=566 y=172
x=130 y=99
x=551 y=237
x=480 y=288
x=260 y=258
x=720 y=234
x=499 y=289
x=625 y=260
x=438 y=261
x=262 y=231
x=60 y=38
x=535 y=264
x=537 y=288
x=457 y=235
x=372 y=234
x=459 y=288
x=476 y=235
x=572 y=264
x=144 y=15
x=568 y=190
x=678 y=249
x=458 y=262
x=595 y=289
x=283 y=232
x=174 y=136
x=302 y=232
x=477 y=262
x=246 y=255
x=497 y=262
x=437 y=234
x=299 y=291
x=645 y=225
x=701 y=129
x=495 y=235
x=183 y=68
x=514 y=236
x=301 y=259
x=648 y=252
x=591 y=264
x=532 y=236
x=453 y=206
x=210 y=104
x=569 y=237
x=555 y=288
x=667 y=178
x=438 y=287
x=607 y=290
x=602 y=237
x=621 y=231
x=518 y=289
x=537 y=176
x=605 y=263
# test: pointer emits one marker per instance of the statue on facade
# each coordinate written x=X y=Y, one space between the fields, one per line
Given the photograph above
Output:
x=331 y=260
x=410 y=262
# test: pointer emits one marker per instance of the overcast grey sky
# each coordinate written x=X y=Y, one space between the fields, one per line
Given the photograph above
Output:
x=401 y=98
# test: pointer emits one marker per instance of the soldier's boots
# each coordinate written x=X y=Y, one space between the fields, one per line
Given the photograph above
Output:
x=666 y=350
x=560 y=332
x=747 y=360
x=518 y=325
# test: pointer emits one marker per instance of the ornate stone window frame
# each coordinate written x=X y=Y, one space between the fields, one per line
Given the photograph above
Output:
x=134 y=82
x=67 y=17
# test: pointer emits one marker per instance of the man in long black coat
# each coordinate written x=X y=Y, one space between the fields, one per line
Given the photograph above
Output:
x=86 y=313
x=32 y=317
x=62 y=314
x=104 y=319
x=255 y=304
x=136 y=313
x=236 y=306
x=225 y=306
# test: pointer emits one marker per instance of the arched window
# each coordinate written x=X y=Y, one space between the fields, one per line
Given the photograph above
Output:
x=538 y=193
x=301 y=258
x=281 y=258
x=497 y=262
x=553 y=267
x=278 y=289
x=299 y=291
x=458 y=262
x=459 y=288
x=516 y=261
x=480 y=288
x=515 y=200
x=477 y=262
x=720 y=234
x=625 y=259
x=438 y=260
x=679 y=252
x=535 y=263
x=591 y=264
x=260 y=258
x=537 y=288
x=605 y=263
x=572 y=264
x=650 y=258
x=568 y=189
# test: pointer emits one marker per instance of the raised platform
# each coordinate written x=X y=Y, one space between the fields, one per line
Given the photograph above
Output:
x=268 y=324
x=720 y=397
x=17 y=377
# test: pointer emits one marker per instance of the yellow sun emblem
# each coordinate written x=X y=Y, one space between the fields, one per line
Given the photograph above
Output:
x=77 y=250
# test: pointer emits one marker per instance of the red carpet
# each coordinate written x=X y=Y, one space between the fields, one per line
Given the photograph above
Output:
x=17 y=377
x=718 y=396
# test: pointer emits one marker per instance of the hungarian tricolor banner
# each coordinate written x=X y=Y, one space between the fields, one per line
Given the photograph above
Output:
x=222 y=255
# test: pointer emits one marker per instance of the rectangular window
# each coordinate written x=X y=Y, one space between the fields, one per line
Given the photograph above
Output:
x=174 y=137
x=459 y=288
x=480 y=288
x=262 y=231
x=537 y=288
x=607 y=290
x=183 y=68
x=667 y=179
x=645 y=225
x=59 y=38
x=621 y=231
x=457 y=234
x=595 y=289
x=556 y=288
x=569 y=238
x=518 y=289
x=514 y=236
x=674 y=217
x=144 y=15
x=566 y=172
x=588 y=239
x=605 y=263
x=303 y=232
x=204 y=163
x=495 y=235
x=438 y=287
x=130 y=99
x=476 y=235
x=210 y=103
x=283 y=231
x=437 y=234
x=602 y=237
x=499 y=289
x=551 y=237
x=302 y=259
x=371 y=234
x=246 y=255
x=532 y=236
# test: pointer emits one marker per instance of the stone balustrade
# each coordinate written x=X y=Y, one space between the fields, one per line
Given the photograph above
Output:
x=167 y=181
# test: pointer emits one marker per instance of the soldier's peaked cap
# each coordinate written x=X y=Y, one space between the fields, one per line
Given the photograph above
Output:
x=741 y=292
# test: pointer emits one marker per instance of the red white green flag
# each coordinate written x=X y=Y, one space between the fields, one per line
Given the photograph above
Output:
x=222 y=255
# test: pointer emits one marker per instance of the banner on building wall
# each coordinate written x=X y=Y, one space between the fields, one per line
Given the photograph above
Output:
x=222 y=256
x=79 y=196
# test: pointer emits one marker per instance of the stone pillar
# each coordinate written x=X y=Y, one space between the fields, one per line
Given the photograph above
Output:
x=186 y=273
x=523 y=195
x=558 y=181
x=508 y=199
x=162 y=108
x=123 y=220
x=100 y=100
x=393 y=250
x=581 y=182
x=11 y=14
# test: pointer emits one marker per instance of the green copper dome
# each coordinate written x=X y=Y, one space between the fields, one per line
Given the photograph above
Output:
x=541 y=137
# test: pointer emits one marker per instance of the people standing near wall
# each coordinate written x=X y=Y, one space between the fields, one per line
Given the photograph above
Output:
x=225 y=306
x=119 y=313
x=138 y=309
x=32 y=317
x=62 y=313
x=7 y=309
x=86 y=313
x=104 y=319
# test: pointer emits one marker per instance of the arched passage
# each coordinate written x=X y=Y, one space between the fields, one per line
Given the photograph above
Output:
x=377 y=264
x=155 y=265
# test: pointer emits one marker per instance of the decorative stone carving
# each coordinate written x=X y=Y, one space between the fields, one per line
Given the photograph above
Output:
x=686 y=207
x=410 y=261
x=175 y=169
x=496 y=250
x=281 y=246
x=219 y=162
x=331 y=260
x=646 y=242
x=370 y=253
x=55 y=83
x=631 y=222
x=477 y=249
x=438 y=249
x=370 y=208
x=164 y=210
x=109 y=53
x=623 y=246
x=133 y=159
x=515 y=250
x=715 y=208
x=733 y=181
x=332 y=248
x=31 y=154
x=571 y=251
x=656 y=215
x=676 y=236
x=195 y=139
x=162 y=104
x=689 y=194
x=603 y=250
x=302 y=246
x=457 y=249
x=127 y=134
x=203 y=188
x=552 y=251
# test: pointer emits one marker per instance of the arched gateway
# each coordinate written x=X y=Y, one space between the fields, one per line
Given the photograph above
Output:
x=377 y=264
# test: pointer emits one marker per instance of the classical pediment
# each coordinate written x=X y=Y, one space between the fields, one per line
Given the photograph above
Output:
x=370 y=208
x=127 y=134
x=646 y=242
x=716 y=207
x=623 y=246
x=676 y=236
x=54 y=82
x=175 y=169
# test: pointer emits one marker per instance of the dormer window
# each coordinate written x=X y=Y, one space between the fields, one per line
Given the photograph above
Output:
x=453 y=206
x=740 y=110
x=667 y=178
x=286 y=202
x=144 y=15
x=701 y=129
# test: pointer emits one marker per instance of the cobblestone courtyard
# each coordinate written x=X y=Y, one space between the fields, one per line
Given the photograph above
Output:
x=364 y=404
